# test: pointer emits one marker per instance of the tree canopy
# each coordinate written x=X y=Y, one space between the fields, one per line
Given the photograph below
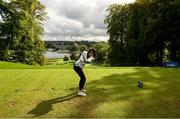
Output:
x=144 y=33
x=21 y=31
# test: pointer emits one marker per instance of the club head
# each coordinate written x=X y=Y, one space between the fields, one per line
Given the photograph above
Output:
x=140 y=84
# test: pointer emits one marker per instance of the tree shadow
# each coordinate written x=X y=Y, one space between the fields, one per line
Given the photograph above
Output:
x=155 y=99
x=45 y=106
x=158 y=97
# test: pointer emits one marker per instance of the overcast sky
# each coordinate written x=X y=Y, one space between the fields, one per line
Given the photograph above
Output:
x=82 y=19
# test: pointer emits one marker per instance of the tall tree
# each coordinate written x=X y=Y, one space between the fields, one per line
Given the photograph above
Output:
x=149 y=34
x=117 y=26
x=24 y=31
x=135 y=41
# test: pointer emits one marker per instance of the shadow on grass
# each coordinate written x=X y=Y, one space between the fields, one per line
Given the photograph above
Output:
x=45 y=106
x=117 y=95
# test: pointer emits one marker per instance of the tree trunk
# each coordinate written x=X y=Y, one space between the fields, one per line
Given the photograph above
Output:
x=161 y=57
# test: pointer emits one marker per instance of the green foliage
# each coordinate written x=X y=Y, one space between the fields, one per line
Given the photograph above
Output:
x=102 y=51
x=117 y=26
x=66 y=58
x=74 y=56
x=82 y=47
x=72 y=48
x=150 y=27
x=21 y=30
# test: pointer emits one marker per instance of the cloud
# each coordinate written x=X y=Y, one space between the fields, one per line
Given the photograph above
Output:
x=82 y=19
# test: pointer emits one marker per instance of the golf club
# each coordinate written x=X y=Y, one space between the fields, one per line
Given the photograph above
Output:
x=73 y=41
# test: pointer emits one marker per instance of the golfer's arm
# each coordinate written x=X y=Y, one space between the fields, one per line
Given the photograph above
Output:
x=83 y=58
x=89 y=60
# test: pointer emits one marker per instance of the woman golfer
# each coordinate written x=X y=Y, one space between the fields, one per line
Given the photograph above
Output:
x=85 y=57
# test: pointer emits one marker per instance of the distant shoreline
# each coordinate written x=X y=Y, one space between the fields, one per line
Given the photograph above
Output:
x=52 y=55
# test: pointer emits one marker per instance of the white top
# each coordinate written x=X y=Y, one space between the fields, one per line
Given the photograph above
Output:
x=83 y=59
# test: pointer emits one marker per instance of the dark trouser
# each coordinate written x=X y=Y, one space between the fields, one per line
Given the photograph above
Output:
x=80 y=72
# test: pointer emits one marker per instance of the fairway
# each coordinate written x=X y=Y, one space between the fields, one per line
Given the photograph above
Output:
x=89 y=59
x=111 y=92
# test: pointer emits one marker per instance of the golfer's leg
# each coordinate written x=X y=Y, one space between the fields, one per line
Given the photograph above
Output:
x=82 y=77
x=82 y=81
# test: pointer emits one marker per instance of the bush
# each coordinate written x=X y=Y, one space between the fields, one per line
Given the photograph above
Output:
x=74 y=56
x=102 y=51
x=66 y=58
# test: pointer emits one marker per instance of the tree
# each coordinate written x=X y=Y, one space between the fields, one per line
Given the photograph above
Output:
x=22 y=32
x=102 y=51
x=117 y=26
x=74 y=56
x=66 y=58
x=150 y=32
x=135 y=41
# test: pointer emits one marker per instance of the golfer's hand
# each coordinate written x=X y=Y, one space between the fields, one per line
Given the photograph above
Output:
x=89 y=60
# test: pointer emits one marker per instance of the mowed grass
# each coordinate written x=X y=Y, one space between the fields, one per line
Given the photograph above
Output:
x=50 y=91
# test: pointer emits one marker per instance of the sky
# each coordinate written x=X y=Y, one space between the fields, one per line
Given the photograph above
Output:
x=81 y=19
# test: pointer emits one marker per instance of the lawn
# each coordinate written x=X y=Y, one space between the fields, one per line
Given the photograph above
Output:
x=50 y=91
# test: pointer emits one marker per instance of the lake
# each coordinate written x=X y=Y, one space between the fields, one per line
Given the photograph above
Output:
x=51 y=55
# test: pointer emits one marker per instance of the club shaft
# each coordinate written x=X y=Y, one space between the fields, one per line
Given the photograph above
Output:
x=73 y=41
